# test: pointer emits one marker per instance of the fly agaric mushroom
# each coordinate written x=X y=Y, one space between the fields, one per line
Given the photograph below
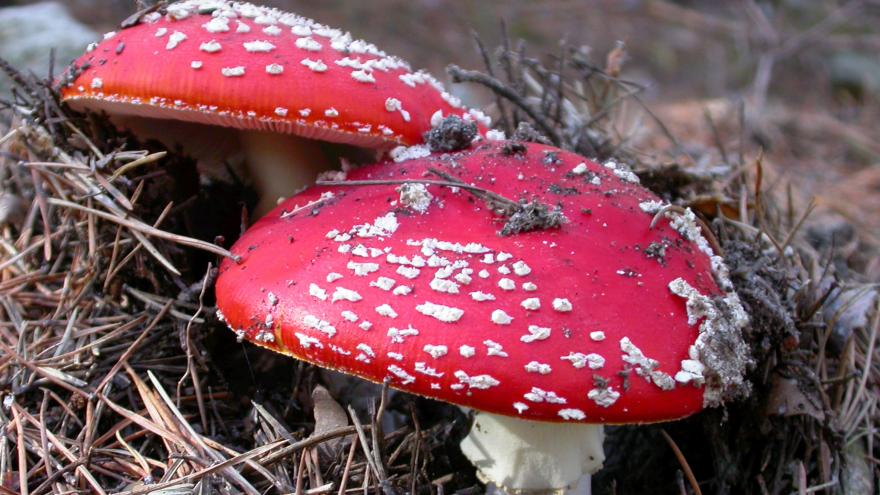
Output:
x=546 y=332
x=283 y=81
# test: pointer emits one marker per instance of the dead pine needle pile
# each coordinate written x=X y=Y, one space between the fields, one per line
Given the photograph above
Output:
x=116 y=376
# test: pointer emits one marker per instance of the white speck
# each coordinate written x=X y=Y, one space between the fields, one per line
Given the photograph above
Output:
x=506 y=284
x=312 y=321
x=305 y=112
x=362 y=269
x=405 y=378
x=242 y=27
x=317 y=292
x=274 y=31
x=175 y=39
x=308 y=44
x=314 y=65
x=232 y=71
x=424 y=369
x=275 y=69
x=217 y=25
x=196 y=64
x=397 y=336
x=404 y=153
x=395 y=355
x=306 y=341
x=495 y=135
x=539 y=395
x=363 y=76
x=597 y=336
x=365 y=325
x=366 y=350
x=645 y=366
x=521 y=269
x=445 y=314
x=339 y=350
x=343 y=294
x=481 y=382
x=383 y=283
x=402 y=290
x=264 y=336
x=483 y=273
x=651 y=207
x=499 y=317
x=467 y=351
x=531 y=304
x=408 y=272
x=300 y=30
x=415 y=197
x=535 y=333
x=504 y=270
x=386 y=310
x=443 y=272
x=494 y=348
x=691 y=371
x=482 y=296
x=622 y=172
x=540 y=368
x=577 y=359
x=210 y=46
x=604 y=397
x=161 y=32
x=503 y=256
x=444 y=286
x=333 y=276
x=562 y=305
x=488 y=258
x=572 y=414
x=331 y=112
x=349 y=316
x=361 y=250
x=258 y=46
x=436 y=118
x=529 y=287
x=281 y=112
x=97 y=83
x=436 y=351
x=519 y=406
x=580 y=169
x=392 y=104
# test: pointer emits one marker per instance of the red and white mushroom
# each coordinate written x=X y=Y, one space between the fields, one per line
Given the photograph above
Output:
x=547 y=333
x=283 y=81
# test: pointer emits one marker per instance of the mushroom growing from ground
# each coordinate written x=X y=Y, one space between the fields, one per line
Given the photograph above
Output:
x=283 y=82
x=515 y=279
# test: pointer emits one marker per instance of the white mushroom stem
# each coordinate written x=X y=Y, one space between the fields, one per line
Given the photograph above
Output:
x=529 y=456
x=280 y=165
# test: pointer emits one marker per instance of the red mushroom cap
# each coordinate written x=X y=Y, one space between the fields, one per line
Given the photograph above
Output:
x=239 y=65
x=602 y=319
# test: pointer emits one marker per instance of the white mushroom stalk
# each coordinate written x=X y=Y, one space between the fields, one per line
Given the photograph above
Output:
x=281 y=165
x=519 y=456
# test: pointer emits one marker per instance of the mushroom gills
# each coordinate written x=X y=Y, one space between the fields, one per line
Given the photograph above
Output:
x=279 y=165
x=520 y=456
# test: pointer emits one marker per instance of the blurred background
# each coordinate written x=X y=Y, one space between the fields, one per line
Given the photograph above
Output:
x=805 y=72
